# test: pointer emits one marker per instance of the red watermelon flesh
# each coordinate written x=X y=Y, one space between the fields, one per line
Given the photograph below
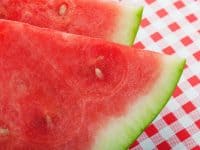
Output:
x=61 y=91
x=96 y=18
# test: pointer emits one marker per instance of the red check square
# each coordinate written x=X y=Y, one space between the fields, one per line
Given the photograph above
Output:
x=139 y=45
x=198 y=123
x=186 y=41
x=134 y=144
x=156 y=36
x=151 y=130
x=188 y=107
x=183 y=135
x=161 y=13
x=197 y=55
x=191 y=18
x=150 y=1
x=179 y=4
x=164 y=146
x=194 y=80
x=177 y=92
x=174 y=26
x=169 y=50
x=196 y=148
x=145 y=22
x=169 y=118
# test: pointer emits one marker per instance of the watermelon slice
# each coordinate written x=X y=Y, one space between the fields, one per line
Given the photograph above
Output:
x=96 y=18
x=68 y=92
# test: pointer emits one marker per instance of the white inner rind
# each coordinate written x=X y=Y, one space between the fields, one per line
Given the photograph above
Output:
x=120 y=132
x=128 y=25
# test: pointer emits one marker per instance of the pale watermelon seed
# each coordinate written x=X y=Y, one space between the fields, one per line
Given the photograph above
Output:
x=63 y=9
x=100 y=58
x=99 y=73
x=48 y=120
x=4 y=132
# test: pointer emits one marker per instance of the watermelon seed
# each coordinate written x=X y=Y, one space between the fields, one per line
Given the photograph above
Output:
x=62 y=9
x=48 y=120
x=99 y=73
x=100 y=58
x=4 y=131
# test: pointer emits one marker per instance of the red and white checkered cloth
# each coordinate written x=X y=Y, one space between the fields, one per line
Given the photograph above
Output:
x=173 y=27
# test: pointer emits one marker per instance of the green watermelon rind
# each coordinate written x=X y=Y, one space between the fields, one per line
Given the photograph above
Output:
x=128 y=25
x=121 y=132
x=136 y=25
x=178 y=70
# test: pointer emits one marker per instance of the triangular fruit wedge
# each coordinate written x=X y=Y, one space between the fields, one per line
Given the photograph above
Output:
x=68 y=92
x=96 y=18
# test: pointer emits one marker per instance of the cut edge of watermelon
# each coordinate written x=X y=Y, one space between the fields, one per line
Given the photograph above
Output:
x=130 y=20
x=121 y=132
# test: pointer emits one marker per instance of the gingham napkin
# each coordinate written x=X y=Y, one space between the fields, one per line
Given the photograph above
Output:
x=173 y=27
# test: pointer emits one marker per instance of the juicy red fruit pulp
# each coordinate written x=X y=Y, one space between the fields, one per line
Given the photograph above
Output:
x=58 y=90
x=72 y=16
x=33 y=104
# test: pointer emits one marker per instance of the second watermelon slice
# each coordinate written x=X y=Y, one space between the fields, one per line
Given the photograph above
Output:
x=60 y=91
x=96 y=18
